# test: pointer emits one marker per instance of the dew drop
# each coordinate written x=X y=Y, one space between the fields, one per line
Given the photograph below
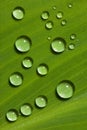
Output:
x=27 y=62
x=18 y=13
x=73 y=36
x=54 y=7
x=70 y=5
x=45 y=15
x=58 y=45
x=23 y=44
x=49 y=38
x=26 y=109
x=41 y=101
x=59 y=15
x=16 y=79
x=63 y=22
x=65 y=89
x=71 y=46
x=49 y=25
x=42 y=69
x=12 y=115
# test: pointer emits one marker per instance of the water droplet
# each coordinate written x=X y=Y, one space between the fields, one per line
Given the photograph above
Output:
x=49 y=25
x=12 y=115
x=42 y=69
x=58 y=45
x=49 y=38
x=73 y=36
x=26 y=109
x=54 y=7
x=27 y=62
x=70 y=5
x=23 y=44
x=59 y=15
x=18 y=13
x=63 y=22
x=16 y=79
x=41 y=101
x=71 y=46
x=65 y=89
x=45 y=15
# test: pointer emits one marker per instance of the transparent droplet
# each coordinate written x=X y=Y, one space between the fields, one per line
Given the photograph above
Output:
x=45 y=15
x=54 y=7
x=73 y=36
x=49 y=25
x=41 y=101
x=71 y=46
x=27 y=62
x=58 y=45
x=70 y=5
x=42 y=69
x=63 y=22
x=16 y=79
x=12 y=115
x=49 y=38
x=18 y=13
x=59 y=15
x=26 y=109
x=65 y=89
x=23 y=44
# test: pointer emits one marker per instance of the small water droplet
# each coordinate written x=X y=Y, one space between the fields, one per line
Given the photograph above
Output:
x=49 y=25
x=12 y=115
x=27 y=62
x=71 y=46
x=23 y=44
x=73 y=36
x=45 y=15
x=70 y=5
x=54 y=7
x=18 y=13
x=49 y=38
x=26 y=109
x=65 y=89
x=41 y=101
x=63 y=22
x=59 y=15
x=16 y=79
x=58 y=45
x=42 y=69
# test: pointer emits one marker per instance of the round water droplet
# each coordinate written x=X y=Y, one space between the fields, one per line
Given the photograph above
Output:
x=49 y=25
x=59 y=15
x=49 y=38
x=27 y=62
x=42 y=69
x=26 y=109
x=70 y=5
x=18 y=13
x=54 y=7
x=73 y=36
x=16 y=79
x=65 y=89
x=63 y=22
x=45 y=15
x=23 y=44
x=41 y=101
x=58 y=45
x=71 y=46
x=12 y=115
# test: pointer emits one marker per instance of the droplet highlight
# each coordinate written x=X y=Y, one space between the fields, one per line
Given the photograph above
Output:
x=59 y=15
x=70 y=5
x=71 y=46
x=65 y=89
x=27 y=62
x=73 y=36
x=49 y=38
x=49 y=25
x=63 y=22
x=45 y=15
x=42 y=69
x=41 y=101
x=54 y=7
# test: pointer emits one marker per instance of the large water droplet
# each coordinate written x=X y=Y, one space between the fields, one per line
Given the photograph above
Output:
x=23 y=44
x=41 y=101
x=58 y=45
x=16 y=79
x=42 y=69
x=12 y=115
x=59 y=15
x=18 y=13
x=71 y=46
x=26 y=109
x=45 y=15
x=63 y=22
x=65 y=89
x=27 y=62
x=49 y=25
x=73 y=36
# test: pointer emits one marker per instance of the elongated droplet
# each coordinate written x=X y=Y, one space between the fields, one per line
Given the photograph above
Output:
x=58 y=45
x=18 y=13
x=16 y=79
x=54 y=7
x=12 y=115
x=71 y=46
x=45 y=15
x=27 y=62
x=63 y=22
x=59 y=15
x=73 y=36
x=26 y=109
x=23 y=44
x=42 y=69
x=65 y=89
x=49 y=25
x=41 y=101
